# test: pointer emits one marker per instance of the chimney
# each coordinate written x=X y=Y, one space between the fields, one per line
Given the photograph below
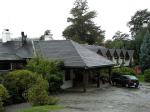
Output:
x=5 y=35
x=24 y=38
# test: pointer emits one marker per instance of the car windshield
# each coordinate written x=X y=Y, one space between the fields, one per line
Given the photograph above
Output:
x=131 y=77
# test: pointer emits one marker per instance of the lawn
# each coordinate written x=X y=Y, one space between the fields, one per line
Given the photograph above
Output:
x=47 y=108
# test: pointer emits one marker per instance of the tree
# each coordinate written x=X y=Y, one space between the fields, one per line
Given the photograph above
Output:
x=136 y=23
x=47 y=35
x=145 y=52
x=82 y=28
x=120 y=40
x=120 y=36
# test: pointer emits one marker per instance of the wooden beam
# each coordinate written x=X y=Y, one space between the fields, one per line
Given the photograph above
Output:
x=98 y=80
x=110 y=70
x=85 y=80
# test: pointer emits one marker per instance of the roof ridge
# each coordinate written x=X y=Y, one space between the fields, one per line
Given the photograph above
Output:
x=77 y=51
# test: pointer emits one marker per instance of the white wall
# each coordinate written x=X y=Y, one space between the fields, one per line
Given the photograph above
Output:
x=69 y=83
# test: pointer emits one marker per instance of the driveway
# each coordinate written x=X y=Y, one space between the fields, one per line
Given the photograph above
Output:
x=108 y=99
x=105 y=99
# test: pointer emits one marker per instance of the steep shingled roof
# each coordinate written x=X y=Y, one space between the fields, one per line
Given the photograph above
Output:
x=73 y=54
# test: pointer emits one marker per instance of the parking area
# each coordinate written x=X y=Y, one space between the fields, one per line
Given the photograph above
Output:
x=108 y=99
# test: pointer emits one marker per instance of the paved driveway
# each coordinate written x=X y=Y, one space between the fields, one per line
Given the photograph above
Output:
x=104 y=99
x=108 y=99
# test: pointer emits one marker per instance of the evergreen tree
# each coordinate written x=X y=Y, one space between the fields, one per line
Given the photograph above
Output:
x=83 y=29
x=145 y=52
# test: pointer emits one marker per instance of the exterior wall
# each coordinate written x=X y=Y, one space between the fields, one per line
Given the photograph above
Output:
x=127 y=62
x=69 y=83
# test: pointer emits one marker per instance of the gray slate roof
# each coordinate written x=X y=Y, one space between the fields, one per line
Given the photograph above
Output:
x=73 y=54
x=96 y=48
x=13 y=50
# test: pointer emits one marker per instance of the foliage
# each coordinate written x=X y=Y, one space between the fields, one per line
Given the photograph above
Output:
x=45 y=108
x=120 y=36
x=19 y=81
x=83 y=29
x=120 y=40
x=147 y=75
x=145 y=52
x=141 y=77
x=1 y=106
x=137 y=21
x=3 y=93
x=46 y=33
x=50 y=69
x=123 y=71
x=3 y=96
x=37 y=95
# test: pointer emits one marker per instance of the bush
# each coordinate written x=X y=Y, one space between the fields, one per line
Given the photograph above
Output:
x=3 y=96
x=3 y=93
x=147 y=75
x=55 y=83
x=52 y=100
x=37 y=95
x=19 y=81
x=1 y=106
x=50 y=69
x=123 y=71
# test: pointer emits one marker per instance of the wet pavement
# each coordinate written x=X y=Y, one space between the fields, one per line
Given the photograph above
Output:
x=105 y=99
x=108 y=99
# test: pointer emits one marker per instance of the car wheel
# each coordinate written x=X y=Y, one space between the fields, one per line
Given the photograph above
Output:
x=136 y=86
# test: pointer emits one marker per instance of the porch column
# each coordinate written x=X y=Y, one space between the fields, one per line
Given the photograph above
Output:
x=98 y=80
x=85 y=80
x=109 y=71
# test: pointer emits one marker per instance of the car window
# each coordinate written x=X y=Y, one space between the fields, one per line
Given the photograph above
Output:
x=131 y=77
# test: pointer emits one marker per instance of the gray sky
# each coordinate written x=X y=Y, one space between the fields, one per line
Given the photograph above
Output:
x=36 y=16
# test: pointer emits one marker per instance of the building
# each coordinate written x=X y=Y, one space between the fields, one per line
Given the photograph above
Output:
x=79 y=62
x=121 y=57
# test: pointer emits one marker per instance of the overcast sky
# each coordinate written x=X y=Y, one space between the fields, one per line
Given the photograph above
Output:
x=35 y=16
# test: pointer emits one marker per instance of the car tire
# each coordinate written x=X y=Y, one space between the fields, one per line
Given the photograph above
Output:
x=136 y=86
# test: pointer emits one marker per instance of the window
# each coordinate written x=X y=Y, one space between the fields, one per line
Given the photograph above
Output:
x=5 y=66
x=67 y=75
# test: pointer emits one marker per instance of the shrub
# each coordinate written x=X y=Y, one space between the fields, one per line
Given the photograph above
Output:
x=50 y=69
x=1 y=106
x=3 y=93
x=123 y=71
x=37 y=95
x=3 y=96
x=147 y=75
x=52 y=100
x=19 y=81
x=55 y=83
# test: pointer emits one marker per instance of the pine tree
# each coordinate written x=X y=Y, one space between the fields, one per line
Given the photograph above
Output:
x=82 y=28
x=145 y=52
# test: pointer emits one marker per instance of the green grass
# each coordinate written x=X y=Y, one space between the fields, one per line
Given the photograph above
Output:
x=140 y=77
x=46 y=108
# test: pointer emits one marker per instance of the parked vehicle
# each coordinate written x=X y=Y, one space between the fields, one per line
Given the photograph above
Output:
x=125 y=80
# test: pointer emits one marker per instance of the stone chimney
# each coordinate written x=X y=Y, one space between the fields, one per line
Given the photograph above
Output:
x=24 y=38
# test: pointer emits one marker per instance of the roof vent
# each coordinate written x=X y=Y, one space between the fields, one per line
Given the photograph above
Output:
x=6 y=35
